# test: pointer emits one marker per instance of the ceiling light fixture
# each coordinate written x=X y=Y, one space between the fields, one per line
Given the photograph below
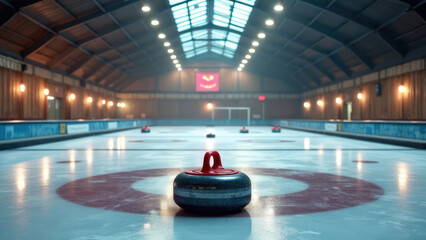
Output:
x=173 y=57
x=261 y=35
x=155 y=22
x=166 y=44
x=255 y=43
x=242 y=65
x=278 y=7
x=251 y=50
x=161 y=35
x=244 y=61
x=170 y=50
x=248 y=56
x=146 y=8
x=239 y=69
x=175 y=61
x=269 y=22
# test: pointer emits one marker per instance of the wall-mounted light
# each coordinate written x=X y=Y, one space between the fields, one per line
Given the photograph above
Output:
x=209 y=106
x=50 y=98
x=110 y=103
x=338 y=100
x=401 y=88
x=359 y=95
x=307 y=105
x=320 y=103
x=22 y=87
x=89 y=99
x=103 y=101
x=72 y=97
x=46 y=91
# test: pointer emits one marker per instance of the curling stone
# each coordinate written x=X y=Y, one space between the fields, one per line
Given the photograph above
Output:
x=276 y=129
x=145 y=129
x=212 y=189
x=244 y=130
x=211 y=135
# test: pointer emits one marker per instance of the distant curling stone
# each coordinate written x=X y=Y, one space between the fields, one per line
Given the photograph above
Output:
x=276 y=129
x=211 y=135
x=145 y=129
x=212 y=189
x=244 y=130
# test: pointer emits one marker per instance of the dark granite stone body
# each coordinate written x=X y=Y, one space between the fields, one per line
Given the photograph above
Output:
x=214 y=194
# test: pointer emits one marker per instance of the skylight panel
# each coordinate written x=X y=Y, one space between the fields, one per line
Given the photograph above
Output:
x=202 y=50
x=188 y=46
x=231 y=45
x=219 y=34
x=173 y=2
x=190 y=54
x=249 y=2
x=234 y=37
x=200 y=34
x=229 y=55
x=236 y=28
x=200 y=44
x=217 y=50
x=218 y=44
x=228 y=14
x=185 y=37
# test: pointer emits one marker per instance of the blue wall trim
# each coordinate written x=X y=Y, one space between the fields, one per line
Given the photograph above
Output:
x=397 y=129
x=29 y=129
x=10 y=130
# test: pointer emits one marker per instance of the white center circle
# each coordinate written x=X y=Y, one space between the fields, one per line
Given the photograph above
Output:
x=261 y=185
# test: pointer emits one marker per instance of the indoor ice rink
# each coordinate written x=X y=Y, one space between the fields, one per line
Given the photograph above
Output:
x=212 y=119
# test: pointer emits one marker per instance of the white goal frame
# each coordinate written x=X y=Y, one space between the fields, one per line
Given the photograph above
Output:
x=230 y=109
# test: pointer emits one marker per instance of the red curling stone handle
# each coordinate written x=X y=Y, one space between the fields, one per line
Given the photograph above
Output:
x=216 y=169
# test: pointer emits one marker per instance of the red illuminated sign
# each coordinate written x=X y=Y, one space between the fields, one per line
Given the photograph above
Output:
x=207 y=82
x=262 y=98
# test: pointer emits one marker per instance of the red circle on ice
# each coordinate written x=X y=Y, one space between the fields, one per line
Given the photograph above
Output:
x=325 y=192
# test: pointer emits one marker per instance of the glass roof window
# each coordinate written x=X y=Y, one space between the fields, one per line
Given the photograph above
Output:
x=230 y=17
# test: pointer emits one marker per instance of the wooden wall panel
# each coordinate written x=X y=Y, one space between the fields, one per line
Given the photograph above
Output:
x=168 y=82
x=391 y=105
x=195 y=109
x=187 y=79
x=249 y=82
x=143 y=85
x=228 y=80
x=14 y=104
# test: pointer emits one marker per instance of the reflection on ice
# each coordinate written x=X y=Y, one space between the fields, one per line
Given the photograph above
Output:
x=402 y=177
